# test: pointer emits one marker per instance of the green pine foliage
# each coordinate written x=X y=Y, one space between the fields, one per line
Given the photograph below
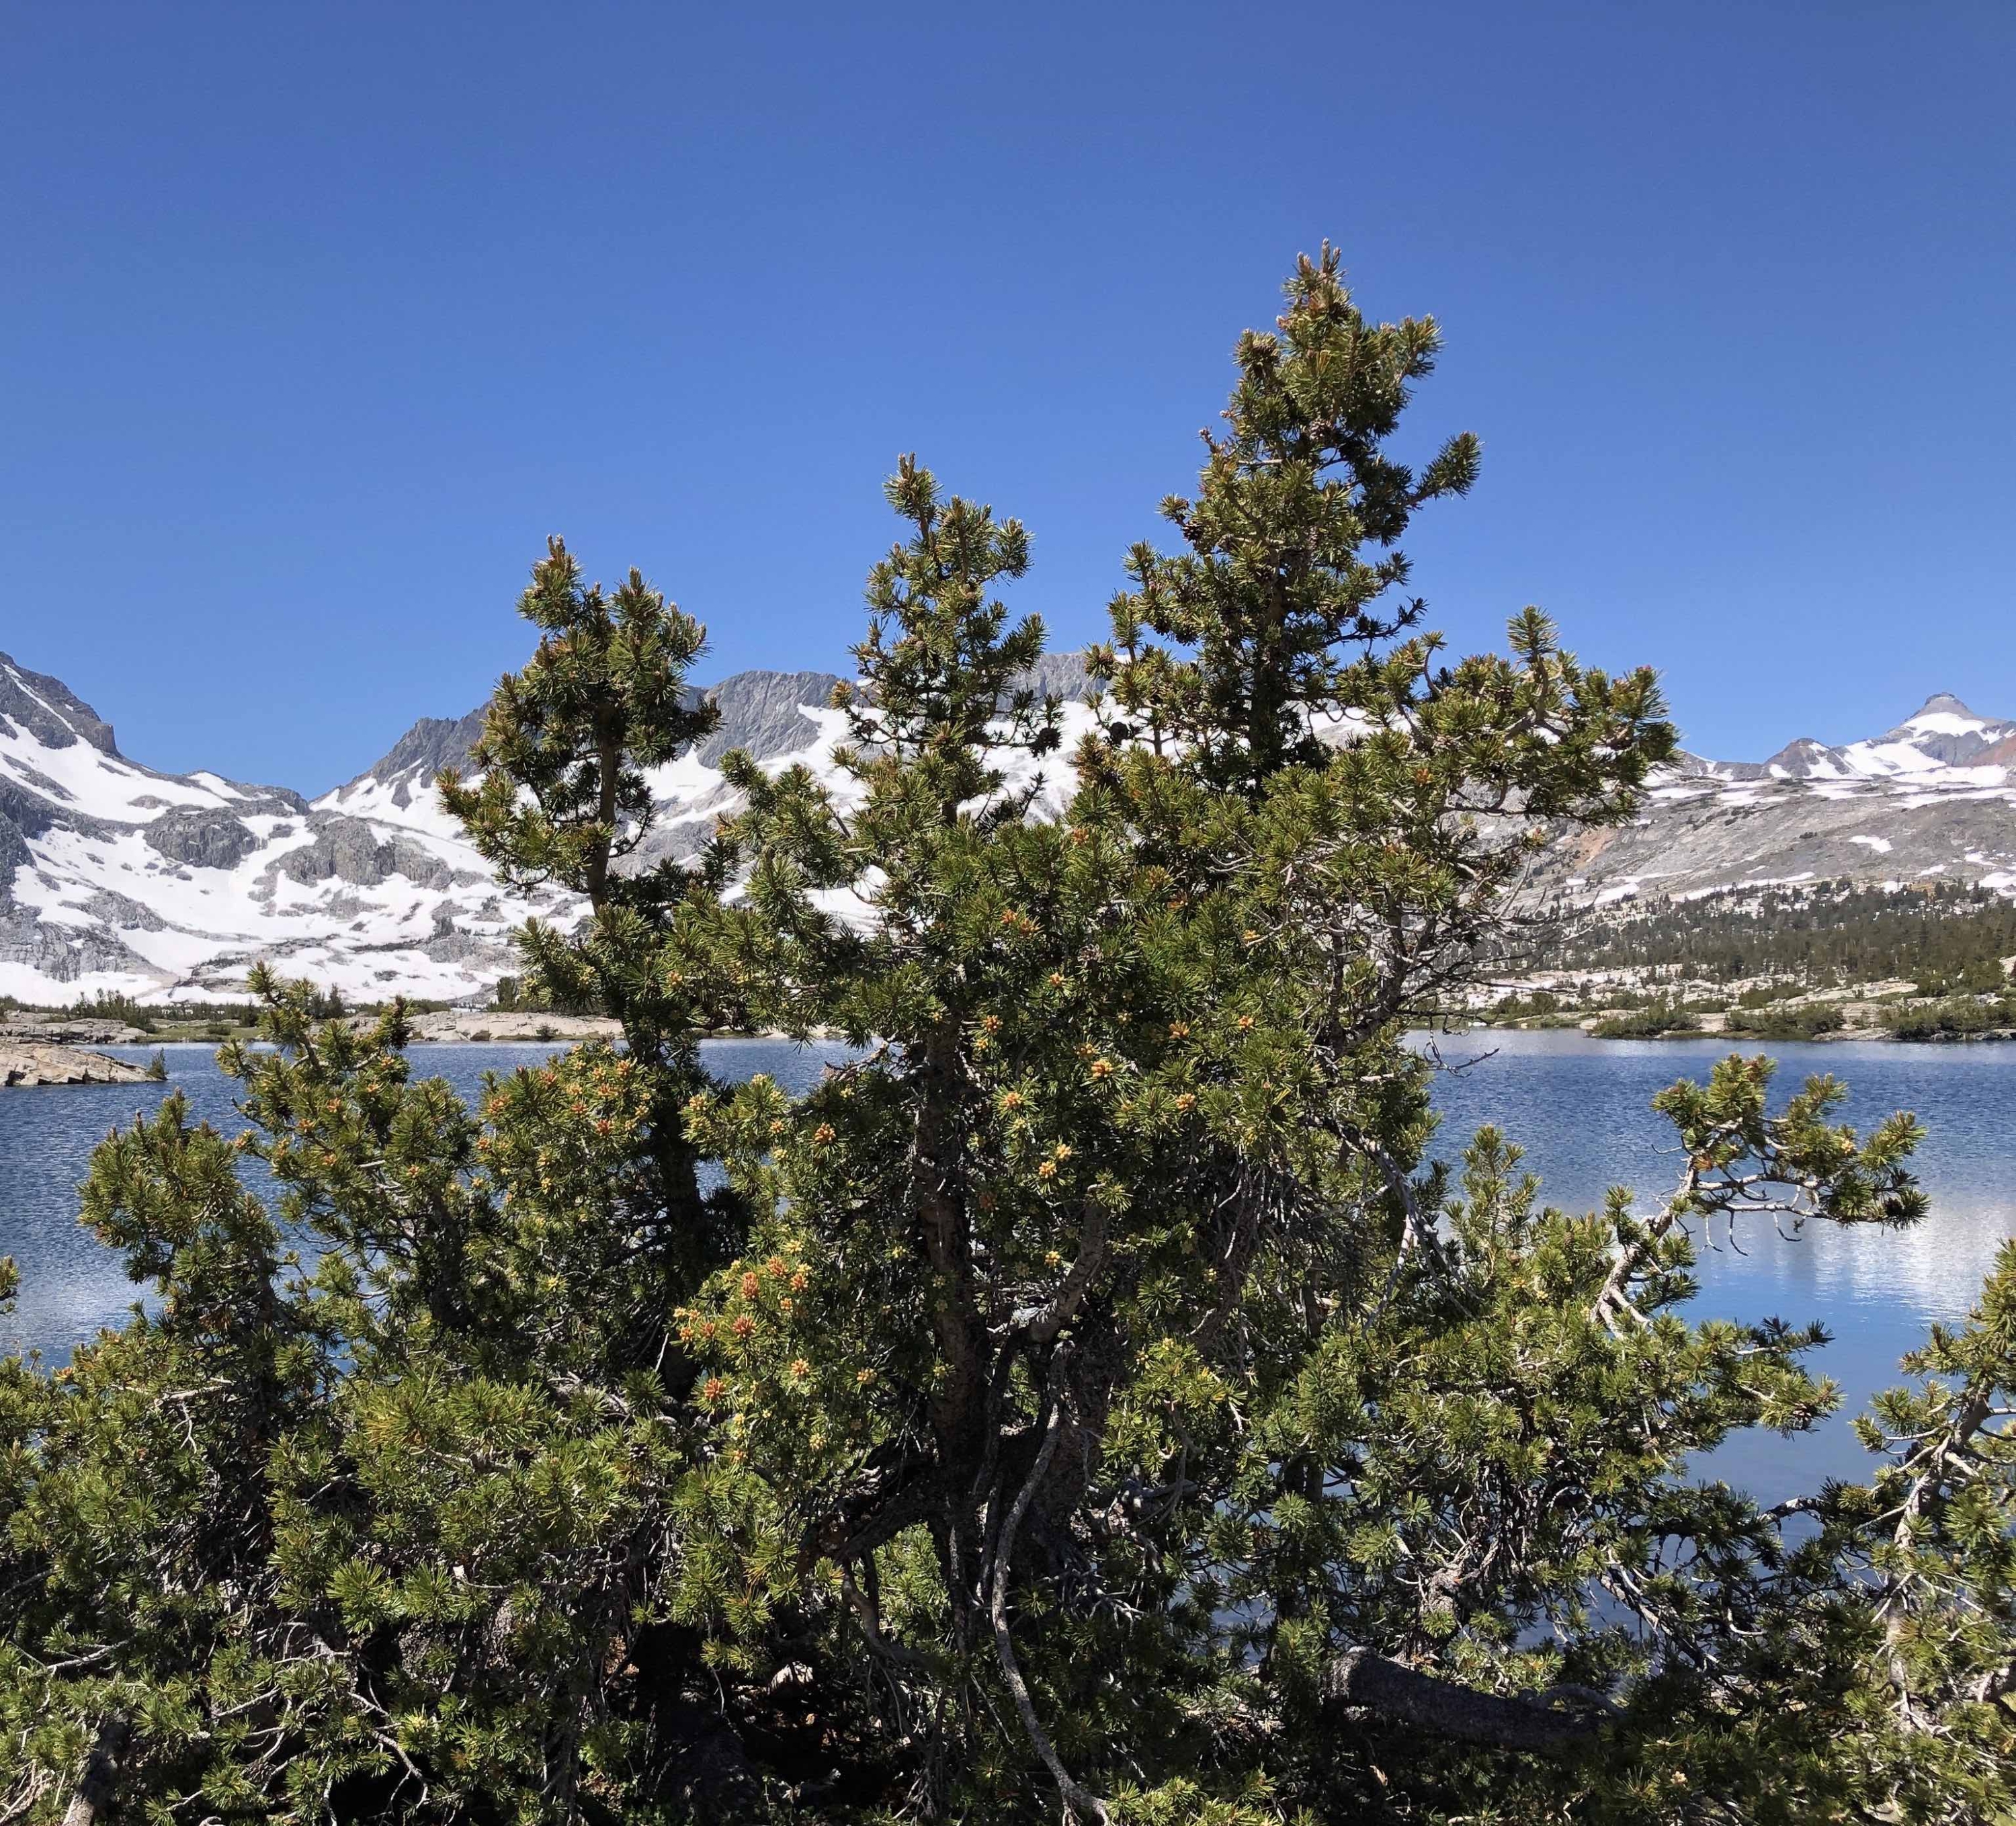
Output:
x=1954 y=1017
x=1805 y=1021
x=1093 y=1397
x=107 y=1005
x=1654 y=1020
x=1932 y=1533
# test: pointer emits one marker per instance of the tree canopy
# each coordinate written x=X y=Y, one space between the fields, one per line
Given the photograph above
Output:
x=1092 y=1397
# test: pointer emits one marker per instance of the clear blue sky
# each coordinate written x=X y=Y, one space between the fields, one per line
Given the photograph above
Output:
x=314 y=319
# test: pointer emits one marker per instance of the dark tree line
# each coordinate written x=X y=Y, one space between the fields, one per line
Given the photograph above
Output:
x=1941 y=938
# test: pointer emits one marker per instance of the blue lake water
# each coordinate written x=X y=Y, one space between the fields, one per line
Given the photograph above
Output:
x=71 y=1285
x=1578 y=1107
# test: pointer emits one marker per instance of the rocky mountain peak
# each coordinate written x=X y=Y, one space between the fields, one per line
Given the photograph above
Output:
x=48 y=711
x=1945 y=703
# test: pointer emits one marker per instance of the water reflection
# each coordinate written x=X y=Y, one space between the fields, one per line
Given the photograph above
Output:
x=1580 y=1109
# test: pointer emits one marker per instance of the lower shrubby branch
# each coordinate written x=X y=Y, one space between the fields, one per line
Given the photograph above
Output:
x=869 y=1618
x=1801 y=1167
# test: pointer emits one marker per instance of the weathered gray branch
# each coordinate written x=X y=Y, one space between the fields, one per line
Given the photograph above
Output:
x=1358 y=1677
x=1091 y=1258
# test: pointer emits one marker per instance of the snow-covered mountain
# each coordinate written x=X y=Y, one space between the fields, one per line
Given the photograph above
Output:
x=1945 y=743
x=1932 y=800
x=170 y=887
x=166 y=886
x=783 y=719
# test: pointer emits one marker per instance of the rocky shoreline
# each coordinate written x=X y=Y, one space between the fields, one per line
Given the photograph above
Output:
x=475 y=1026
x=37 y=1050
x=492 y=1026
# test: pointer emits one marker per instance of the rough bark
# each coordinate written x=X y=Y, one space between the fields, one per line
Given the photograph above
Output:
x=101 y=1774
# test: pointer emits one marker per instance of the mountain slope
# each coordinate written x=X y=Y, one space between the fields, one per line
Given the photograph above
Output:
x=1933 y=799
x=114 y=876
x=783 y=719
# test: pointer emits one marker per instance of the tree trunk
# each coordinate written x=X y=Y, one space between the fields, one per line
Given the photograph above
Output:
x=101 y=1772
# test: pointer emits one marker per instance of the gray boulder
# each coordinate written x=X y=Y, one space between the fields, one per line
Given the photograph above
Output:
x=202 y=839
x=351 y=850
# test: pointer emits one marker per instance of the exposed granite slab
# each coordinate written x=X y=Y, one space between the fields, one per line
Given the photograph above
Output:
x=28 y=1063
x=450 y=1026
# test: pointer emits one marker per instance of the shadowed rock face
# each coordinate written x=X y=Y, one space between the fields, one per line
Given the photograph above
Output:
x=121 y=910
x=1799 y=760
x=13 y=852
x=761 y=712
x=1061 y=675
x=764 y=712
x=432 y=744
x=1942 y=731
x=109 y=869
x=1960 y=747
x=48 y=710
x=60 y=951
x=203 y=839
x=63 y=953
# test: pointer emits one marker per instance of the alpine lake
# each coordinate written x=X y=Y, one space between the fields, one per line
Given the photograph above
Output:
x=1578 y=1107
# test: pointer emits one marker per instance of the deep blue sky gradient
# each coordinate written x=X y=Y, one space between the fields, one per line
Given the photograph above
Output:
x=314 y=319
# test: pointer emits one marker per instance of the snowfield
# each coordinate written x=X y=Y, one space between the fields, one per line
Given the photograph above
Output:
x=170 y=888
x=1933 y=799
